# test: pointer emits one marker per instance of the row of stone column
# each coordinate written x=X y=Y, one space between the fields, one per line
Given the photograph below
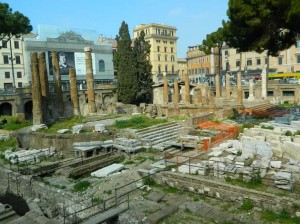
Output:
x=40 y=86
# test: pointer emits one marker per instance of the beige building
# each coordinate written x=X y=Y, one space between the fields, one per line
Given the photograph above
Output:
x=202 y=67
x=163 y=53
x=12 y=68
x=182 y=67
x=252 y=63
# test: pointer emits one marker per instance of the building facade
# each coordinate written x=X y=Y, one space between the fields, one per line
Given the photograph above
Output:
x=163 y=53
x=202 y=67
x=12 y=64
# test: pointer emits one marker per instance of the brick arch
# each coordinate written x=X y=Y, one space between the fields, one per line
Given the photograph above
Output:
x=6 y=109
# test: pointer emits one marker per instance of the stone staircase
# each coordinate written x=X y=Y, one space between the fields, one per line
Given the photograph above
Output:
x=156 y=136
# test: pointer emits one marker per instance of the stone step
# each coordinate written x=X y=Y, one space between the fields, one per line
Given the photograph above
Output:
x=161 y=132
x=8 y=216
x=165 y=139
x=156 y=127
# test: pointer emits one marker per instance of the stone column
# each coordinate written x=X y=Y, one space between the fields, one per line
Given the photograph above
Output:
x=90 y=80
x=44 y=85
x=187 y=89
x=239 y=86
x=218 y=86
x=43 y=75
x=73 y=90
x=57 y=84
x=36 y=90
x=176 y=92
x=227 y=83
x=251 y=90
x=264 y=78
x=166 y=89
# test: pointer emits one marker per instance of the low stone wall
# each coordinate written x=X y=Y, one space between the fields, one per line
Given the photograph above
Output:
x=225 y=192
x=59 y=141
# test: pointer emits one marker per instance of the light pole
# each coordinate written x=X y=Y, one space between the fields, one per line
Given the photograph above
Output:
x=12 y=63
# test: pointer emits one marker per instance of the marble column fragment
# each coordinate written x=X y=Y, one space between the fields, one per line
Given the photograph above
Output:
x=187 y=89
x=74 y=93
x=90 y=80
x=57 y=84
x=36 y=90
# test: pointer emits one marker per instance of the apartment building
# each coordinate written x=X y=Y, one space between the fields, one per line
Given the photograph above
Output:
x=12 y=64
x=163 y=53
x=202 y=67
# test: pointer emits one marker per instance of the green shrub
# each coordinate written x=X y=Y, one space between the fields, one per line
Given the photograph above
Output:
x=288 y=133
x=81 y=186
x=138 y=122
x=247 y=204
x=97 y=200
x=13 y=123
x=267 y=127
x=11 y=143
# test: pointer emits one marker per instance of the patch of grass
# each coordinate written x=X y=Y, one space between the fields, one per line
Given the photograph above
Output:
x=254 y=184
x=247 y=204
x=12 y=123
x=81 y=186
x=121 y=159
x=267 y=127
x=171 y=190
x=109 y=192
x=178 y=118
x=281 y=217
x=63 y=124
x=11 y=143
x=288 y=133
x=128 y=162
x=138 y=122
x=297 y=132
x=97 y=200
x=187 y=210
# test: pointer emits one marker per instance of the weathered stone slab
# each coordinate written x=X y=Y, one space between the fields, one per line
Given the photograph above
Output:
x=104 y=172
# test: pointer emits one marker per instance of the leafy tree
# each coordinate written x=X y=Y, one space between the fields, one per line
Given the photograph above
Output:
x=12 y=23
x=213 y=40
x=260 y=25
x=141 y=52
x=127 y=85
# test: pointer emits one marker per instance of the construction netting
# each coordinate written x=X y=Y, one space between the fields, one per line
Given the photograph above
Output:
x=224 y=131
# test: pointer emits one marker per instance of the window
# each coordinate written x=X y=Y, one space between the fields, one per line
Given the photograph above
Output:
x=249 y=62
x=19 y=75
x=157 y=31
x=4 y=43
x=165 y=49
x=18 y=59
x=266 y=61
x=258 y=62
x=172 y=33
x=288 y=93
x=172 y=58
x=173 y=70
x=237 y=63
x=16 y=43
x=171 y=42
x=172 y=49
x=270 y=93
x=158 y=49
x=7 y=75
x=165 y=42
x=280 y=60
x=101 y=66
x=166 y=68
x=159 y=69
x=158 y=57
x=5 y=59
x=298 y=58
x=166 y=57
x=158 y=41
x=20 y=85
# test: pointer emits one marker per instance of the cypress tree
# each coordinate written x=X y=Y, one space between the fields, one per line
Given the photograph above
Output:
x=127 y=86
x=141 y=52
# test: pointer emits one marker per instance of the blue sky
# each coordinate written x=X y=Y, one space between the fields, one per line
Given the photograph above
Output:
x=194 y=19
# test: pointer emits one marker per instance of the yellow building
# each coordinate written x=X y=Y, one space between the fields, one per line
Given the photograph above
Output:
x=163 y=53
x=182 y=67
x=201 y=67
